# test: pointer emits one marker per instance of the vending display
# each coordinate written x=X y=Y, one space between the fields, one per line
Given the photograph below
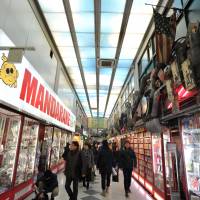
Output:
x=9 y=140
x=191 y=146
x=27 y=154
x=55 y=146
x=157 y=161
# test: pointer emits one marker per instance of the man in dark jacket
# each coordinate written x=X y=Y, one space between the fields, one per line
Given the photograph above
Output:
x=73 y=170
x=105 y=164
x=128 y=161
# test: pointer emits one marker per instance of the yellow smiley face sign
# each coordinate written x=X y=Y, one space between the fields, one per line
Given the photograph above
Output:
x=8 y=73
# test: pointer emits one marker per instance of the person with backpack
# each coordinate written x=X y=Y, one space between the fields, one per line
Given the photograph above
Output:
x=73 y=170
x=105 y=164
x=128 y=161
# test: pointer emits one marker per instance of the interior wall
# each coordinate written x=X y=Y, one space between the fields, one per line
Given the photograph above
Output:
x=18 y=21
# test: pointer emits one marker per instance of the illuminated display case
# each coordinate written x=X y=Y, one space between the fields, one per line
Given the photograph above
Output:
x=10 y=127
x=191 y=148
x=55 y=146
x=27 y=153
x=46 y=147
x=157 y=161
x=63 y=141
x=142 y=145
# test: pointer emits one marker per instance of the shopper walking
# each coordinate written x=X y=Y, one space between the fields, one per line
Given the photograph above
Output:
x=105 y=164
x=128 y=161
x=87 y=164
x=73 y=170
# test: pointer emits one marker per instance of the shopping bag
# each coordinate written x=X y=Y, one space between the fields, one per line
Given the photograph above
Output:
x=115 y=175
x=115 y=178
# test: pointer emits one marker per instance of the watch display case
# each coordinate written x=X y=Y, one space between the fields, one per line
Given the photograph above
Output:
x=55 y=146
x=157 y=161
x=27 y=153
x=191 y=146
x=9 y=140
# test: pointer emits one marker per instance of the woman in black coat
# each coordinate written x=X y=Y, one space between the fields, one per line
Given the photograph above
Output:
x=105 y=164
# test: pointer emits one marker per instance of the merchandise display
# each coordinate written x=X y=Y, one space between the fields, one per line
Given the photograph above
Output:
x=55 y=146
x=157 y=162
x=8 y=150
x=63 y=141
x=191 y=143
x=26 y=163
x=141 y=143
x=46 y=147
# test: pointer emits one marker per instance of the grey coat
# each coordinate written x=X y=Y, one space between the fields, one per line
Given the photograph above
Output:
x=87 y=160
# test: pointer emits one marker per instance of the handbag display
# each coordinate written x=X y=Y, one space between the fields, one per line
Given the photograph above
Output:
x=176 y=73
x=194 y=49
x=188 y=75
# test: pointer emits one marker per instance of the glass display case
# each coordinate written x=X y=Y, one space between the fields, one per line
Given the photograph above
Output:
x=157 y=161
x=63 y=141
x=27 y=153
x=10 y=127
x=55 y=146
x=191 y=146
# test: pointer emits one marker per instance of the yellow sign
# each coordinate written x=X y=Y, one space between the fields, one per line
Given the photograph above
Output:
x=97 y=123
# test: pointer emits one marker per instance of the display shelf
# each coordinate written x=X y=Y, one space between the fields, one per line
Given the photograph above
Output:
x=26 y=163
x=55 y=147
x=9 y=153
x=191 y=144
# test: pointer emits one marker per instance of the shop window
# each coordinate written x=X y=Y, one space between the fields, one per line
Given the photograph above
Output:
x=55 y=146
x=27 y=154
x=157 y=162
x=63 y=142
x=9 y=133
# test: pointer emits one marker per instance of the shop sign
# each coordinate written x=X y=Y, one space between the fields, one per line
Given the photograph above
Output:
x=23 y=88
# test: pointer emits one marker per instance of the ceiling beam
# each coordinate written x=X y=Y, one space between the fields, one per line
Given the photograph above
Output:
x=125 y=19
x=69 y=17
x=47 y=32
x=97 y=21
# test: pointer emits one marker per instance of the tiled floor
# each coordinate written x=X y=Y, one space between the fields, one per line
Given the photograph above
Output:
x=116 y=191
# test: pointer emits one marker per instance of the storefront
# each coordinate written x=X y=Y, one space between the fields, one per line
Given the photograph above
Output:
x=34 y=128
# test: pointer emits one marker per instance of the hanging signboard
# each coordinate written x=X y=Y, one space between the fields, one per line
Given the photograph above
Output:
x=23 y=89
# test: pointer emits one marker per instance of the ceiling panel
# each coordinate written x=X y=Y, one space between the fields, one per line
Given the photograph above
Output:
x=51 y=6
x=113 y=6
x=107 y=53
x=109 y=39
x=57 y=21
x=85 y=39
x=63 y=38
x=87 y=52
x=83 y=22
x=81 y=5
x=111 y=22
